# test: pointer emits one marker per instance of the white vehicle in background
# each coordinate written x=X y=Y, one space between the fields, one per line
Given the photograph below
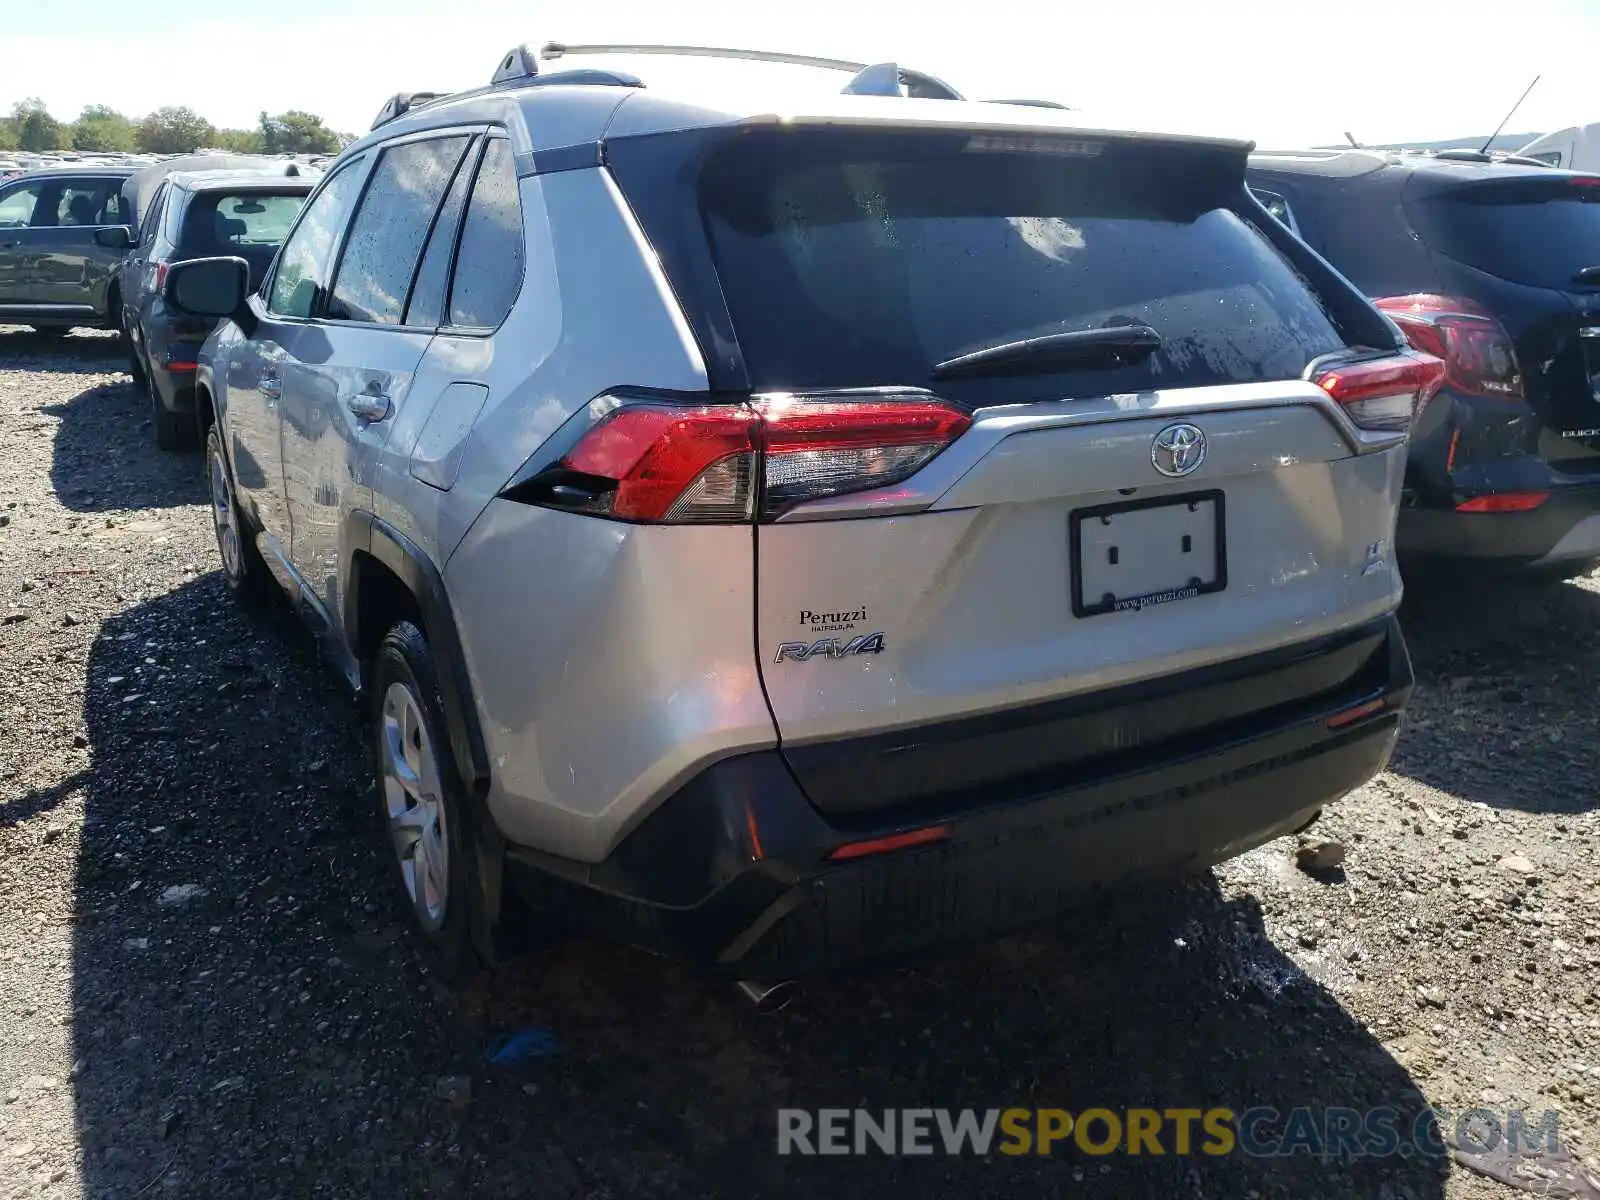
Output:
x=1574 y=149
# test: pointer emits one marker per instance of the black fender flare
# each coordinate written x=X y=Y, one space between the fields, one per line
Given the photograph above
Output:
x=417 y=572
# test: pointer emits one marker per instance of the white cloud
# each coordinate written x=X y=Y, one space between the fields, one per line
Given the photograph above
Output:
x=1284 y=73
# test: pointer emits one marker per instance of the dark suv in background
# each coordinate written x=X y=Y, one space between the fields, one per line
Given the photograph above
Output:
x=55 y=272
x=1495 y=268
x=240 y=214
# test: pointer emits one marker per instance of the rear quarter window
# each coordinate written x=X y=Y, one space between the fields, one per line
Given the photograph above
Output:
x=853 y=259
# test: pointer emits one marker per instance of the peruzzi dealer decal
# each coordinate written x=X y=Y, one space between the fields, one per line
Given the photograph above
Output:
x=843 y=621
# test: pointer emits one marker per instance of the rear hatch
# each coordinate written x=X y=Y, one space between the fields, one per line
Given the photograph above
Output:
x=1098 y=515
x=1527 y=246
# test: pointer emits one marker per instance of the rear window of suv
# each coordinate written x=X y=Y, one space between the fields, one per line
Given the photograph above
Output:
x=1539 y=232
x=219 y=223
x=854 y=258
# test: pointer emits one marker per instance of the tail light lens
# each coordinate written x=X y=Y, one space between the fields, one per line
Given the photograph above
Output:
x=1478 y=355
x=161 y=274
x=648 y=461
x=1383 y=393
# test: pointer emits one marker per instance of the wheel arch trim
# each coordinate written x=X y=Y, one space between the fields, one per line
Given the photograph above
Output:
x=369 y=534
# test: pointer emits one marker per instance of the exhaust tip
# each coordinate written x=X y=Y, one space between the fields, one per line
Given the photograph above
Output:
x=768 y=998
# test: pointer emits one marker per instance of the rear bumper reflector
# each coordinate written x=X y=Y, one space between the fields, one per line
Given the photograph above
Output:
x=1503 y=502
x=1351 y=715
x=895 y=841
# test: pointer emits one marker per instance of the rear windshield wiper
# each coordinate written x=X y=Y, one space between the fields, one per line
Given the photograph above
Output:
x=1110 y=346
x=1587 y=275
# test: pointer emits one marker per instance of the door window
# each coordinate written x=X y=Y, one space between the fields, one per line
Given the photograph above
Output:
x=305 y=259
x=17 y=205
x=489 y=262
x=89 y=202
x=389 y=230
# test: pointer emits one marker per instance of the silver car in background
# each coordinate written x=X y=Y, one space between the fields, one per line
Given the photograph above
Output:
x=785 y=540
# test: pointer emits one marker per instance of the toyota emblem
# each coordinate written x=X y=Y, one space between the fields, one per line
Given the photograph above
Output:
x=1178 y=450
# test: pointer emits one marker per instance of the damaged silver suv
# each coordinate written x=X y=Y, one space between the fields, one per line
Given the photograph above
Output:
x=781 y=539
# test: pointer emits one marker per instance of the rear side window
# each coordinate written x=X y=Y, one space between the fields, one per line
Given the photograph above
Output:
x=426 y=307
x=853 y=259
x=152 y=217
x=387 y=235
x=306 y=257
x=1540 y=232
x=489 y=261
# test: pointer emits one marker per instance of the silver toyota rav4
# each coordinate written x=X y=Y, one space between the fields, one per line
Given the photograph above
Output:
x=779 y=539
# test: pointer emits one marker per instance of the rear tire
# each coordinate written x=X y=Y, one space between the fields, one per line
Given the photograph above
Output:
x=422 y=807
x=243 y=568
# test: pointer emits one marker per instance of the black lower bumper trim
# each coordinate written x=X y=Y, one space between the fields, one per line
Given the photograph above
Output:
x=732 y=872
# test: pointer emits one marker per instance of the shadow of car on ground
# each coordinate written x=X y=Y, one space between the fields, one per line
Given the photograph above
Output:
x=104 y=458
x=24 y=349
x=249 y=1020
x=1505 y=707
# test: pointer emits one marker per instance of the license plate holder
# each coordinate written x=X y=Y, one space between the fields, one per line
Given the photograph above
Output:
x=1137 y=554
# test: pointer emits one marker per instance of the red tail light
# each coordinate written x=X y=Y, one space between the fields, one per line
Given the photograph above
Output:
x=161 y=273
x=715 y=462
x=1383 y=393
x=1478 y=355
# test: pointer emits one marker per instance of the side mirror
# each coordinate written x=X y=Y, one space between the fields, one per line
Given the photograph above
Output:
x=207 y=287
x=114 y=237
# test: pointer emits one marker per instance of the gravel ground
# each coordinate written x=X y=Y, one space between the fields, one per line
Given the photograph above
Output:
x=205 y=990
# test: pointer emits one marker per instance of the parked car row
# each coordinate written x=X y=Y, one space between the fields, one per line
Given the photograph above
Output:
x=90 y=245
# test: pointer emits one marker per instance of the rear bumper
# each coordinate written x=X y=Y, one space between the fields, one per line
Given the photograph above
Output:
x=733 y=872
x=1566 y=527
x=162 y=343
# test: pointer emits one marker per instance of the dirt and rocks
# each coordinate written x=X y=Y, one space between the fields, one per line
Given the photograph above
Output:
x=205 y=989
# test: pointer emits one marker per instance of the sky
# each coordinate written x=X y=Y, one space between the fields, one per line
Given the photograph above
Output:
x=1288 y=73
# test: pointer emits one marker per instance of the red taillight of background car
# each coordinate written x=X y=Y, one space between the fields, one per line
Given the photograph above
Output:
x=648 y=461
x=1383 y=393
x=1477 y=352
x=161 y=273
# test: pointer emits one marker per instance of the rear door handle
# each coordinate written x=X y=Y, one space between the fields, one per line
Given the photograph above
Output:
x=370 y=406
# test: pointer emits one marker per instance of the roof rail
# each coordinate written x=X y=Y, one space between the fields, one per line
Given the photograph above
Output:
x=875 y=79
x=887 y=78
x=1035 y=104
x=399 y=104
x=519 y=65
x=560 y=50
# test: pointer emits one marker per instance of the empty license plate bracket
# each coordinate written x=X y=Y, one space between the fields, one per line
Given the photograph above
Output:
x=1137 y=554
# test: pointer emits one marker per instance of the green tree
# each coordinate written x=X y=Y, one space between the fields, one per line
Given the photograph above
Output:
x=36 y=128
x=102 y=128
x=174 y=131
x=296 y=132
x=240 y=141
x=8 y=134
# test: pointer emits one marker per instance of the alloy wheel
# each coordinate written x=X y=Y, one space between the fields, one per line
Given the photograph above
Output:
x=413 y=798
